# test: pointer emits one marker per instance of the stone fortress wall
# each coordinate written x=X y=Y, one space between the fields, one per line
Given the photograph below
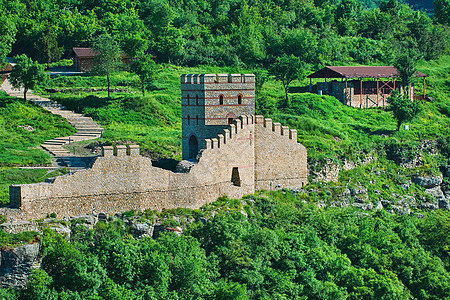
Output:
x=249 y=154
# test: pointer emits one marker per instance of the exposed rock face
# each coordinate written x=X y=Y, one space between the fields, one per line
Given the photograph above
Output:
x=184 y=166
x=427 y=181
x=329 y=172
x=16 y=265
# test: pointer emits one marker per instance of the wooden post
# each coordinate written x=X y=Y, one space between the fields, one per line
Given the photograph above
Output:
x=378 y=104
x=424 y=88
x=360 y=93
x=346 y=93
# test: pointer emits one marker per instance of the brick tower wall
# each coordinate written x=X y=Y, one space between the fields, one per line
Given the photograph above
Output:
x=203 y=115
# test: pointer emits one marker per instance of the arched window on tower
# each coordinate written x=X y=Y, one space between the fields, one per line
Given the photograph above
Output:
x=221 y=100
x=188 y=100
x=239 y=99
x=189 y=120
x=196 y=99
x=196 y=118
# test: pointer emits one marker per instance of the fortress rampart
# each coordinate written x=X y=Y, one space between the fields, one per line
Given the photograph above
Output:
x=231 y=156
x=252 y=153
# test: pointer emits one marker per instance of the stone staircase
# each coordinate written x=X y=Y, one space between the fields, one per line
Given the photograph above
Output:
x=87 y=129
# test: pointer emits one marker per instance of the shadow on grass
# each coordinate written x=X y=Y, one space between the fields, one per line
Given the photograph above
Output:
x=367 y=130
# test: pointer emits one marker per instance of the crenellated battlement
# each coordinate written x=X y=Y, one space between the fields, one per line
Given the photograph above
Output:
x=120 y=151
x=244 y=120
x=216 y=78
x=238 y=155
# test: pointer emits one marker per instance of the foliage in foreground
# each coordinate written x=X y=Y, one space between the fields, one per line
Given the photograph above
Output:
x=282 y=247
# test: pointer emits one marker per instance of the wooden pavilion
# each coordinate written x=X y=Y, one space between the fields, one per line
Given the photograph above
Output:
x=361 y=86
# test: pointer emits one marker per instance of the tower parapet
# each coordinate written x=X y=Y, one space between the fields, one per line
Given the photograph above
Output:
x=210 y=102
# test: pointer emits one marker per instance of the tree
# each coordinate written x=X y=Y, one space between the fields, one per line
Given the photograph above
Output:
x=442 y=11
x=406 y=68
x=287 y=69
x=107 y=56
x=402 y=108
x=26 y=74
x=47 y=46
x=7 y=36
x=146 y=69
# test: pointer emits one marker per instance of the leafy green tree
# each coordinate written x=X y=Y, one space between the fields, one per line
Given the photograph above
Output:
x=47 y=46
x=107 y=56
x=39 y=287
x=442 y=11
x=7 y=36
x=287 y=69
x=402 y=108
x=146 y=69
x=26 y=74
x=406 y=68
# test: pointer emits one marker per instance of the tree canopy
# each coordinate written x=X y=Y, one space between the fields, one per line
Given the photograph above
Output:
x=107 y=56
x=26 y=74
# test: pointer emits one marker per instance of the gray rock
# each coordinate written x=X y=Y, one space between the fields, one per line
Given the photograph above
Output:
x=379 y=206
x=140 y=228
x=102 y=217
x=444 y=204
x=436 y=192
x=428 y=206
x=184 y=166
x=61 y=229
x=427 y=181
x=358 y=191
x=420 y=216
x=16 y=265
x=385 y=203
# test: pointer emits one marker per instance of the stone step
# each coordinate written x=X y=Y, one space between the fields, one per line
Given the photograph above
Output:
x=51 y=142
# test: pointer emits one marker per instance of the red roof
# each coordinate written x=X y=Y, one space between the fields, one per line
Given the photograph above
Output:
x=89 y=52
x=83 y=52
x=359 y=72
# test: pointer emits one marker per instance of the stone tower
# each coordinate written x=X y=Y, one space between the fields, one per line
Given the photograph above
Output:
x=209 y=103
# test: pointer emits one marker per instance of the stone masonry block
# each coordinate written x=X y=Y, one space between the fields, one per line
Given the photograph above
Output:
x=293 y=134
x=108 y=151
x=208 y=78
x=121 y=150
x=243 y=119
x=276 y=127
x=221 y=139
x=226 y=135
x=249 y=78
x=268 y=123
x=195 y=79
x=259 y=119
x=208 y=144
x=285 y=131
x=134 y=150
x=238 y=124
x=215 y=143
x=222 y=78
x=232 y=130
x=236 y=78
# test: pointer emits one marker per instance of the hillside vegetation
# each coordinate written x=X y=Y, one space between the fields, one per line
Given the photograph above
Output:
x=23 y=127
x=227 y=33
x=270 y=245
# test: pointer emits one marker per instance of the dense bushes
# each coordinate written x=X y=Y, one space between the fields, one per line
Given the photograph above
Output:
x=285 y=248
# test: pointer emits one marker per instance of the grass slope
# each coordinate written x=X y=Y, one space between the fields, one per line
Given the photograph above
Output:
x=20 y=147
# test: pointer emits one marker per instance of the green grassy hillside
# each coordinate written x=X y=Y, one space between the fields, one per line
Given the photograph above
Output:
x=23 y=127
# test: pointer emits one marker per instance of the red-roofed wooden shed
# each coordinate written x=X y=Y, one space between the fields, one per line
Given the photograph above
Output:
x=352 y=90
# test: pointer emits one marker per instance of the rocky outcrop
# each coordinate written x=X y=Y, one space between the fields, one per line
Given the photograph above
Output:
x=427 y=181
x=16 y=265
